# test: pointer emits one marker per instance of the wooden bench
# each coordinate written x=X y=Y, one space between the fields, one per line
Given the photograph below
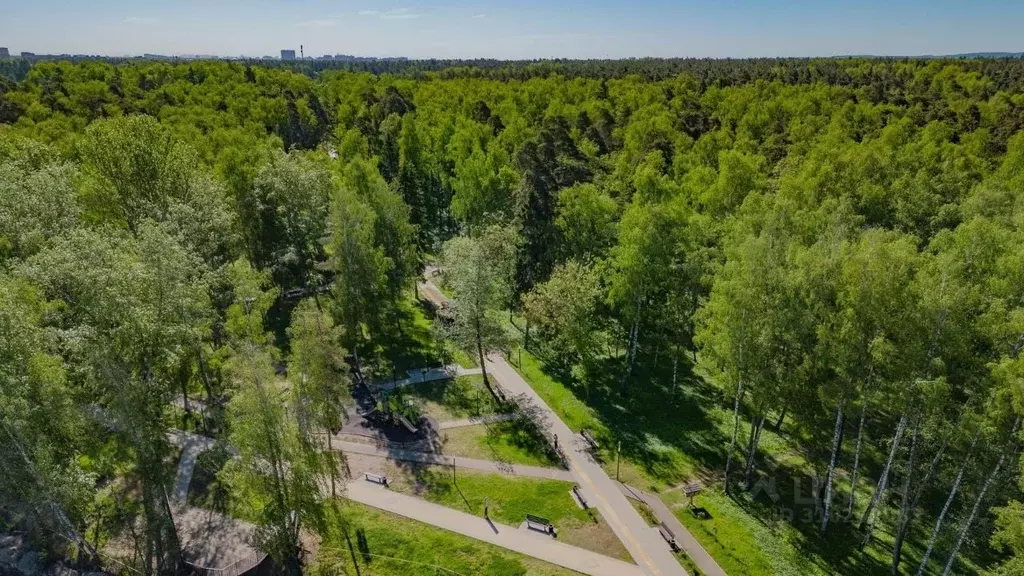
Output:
x=690 y=490
x=539 y=524
x=377 y=479
x=579 y=494
x=589 y=438
x=669 y=537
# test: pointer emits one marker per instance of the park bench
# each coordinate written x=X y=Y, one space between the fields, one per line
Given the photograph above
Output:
x=539 y=524
x=690 y=490
x=579 y=495
x=377 y=479
x=668 y=536
x=589 y=438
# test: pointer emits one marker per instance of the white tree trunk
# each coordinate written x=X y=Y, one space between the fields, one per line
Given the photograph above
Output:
x=836 y=434
x=882 y=480
x=752 y=452
x=977 y=503
x=735 y=429
x=945 y=507
x=631 y=346
x=904 y=519
x=856 y=459
x=931 y=472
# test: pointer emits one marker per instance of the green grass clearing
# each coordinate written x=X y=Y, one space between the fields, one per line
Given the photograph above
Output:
x=511 y=499
x=445 y=400
x=512 y=442
x=386 y=544
x=670 y=435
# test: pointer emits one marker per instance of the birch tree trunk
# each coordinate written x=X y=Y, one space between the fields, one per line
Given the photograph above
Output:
x=977 y=503
x=882 y=479
x=735 y=429
x=634 y=334
x=904 y=520
x=752 y=452
x=945 y=507
x=856 y=459
x=931 y=471
x=836 y=434
x=64 y=526
x=782 y=417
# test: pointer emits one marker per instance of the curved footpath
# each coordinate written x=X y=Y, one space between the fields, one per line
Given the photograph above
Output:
x=539 y=546
x=645 y=545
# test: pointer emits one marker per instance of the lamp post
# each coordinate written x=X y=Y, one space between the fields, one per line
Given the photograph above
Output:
x=618 y=449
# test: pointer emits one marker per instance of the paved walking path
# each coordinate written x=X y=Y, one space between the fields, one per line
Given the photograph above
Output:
x=431 y=293
x=191 y=446
x=686 y=541
x=210 y=540
x=418 y=376
x=522 y=541
x=649 y=550
x=460 y=462
x=216 y=542
x=475 y=420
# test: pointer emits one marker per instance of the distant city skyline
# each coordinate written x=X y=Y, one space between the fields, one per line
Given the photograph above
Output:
x=526 y=29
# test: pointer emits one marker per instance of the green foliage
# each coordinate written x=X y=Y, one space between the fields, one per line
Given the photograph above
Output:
x=479 y=272
x=564 y=311
x=835 y=234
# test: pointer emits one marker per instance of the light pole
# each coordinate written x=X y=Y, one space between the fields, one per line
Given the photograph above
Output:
x=618 y=449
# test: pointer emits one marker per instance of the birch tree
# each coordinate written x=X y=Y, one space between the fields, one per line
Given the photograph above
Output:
x=320 y=381
x=479 y=272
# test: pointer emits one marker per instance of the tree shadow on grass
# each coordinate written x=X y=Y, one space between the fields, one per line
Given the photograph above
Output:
x=648 y=411
x=785 y=494
x=409 y=348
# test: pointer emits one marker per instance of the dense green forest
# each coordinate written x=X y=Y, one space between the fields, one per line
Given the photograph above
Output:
x=835 y=248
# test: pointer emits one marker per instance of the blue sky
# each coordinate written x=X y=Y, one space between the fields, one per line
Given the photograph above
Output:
x=521 y=29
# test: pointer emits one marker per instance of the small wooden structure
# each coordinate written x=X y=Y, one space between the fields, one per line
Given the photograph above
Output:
x=589 y=438
x=690 y=490
x=540 y=524
x=669 y=537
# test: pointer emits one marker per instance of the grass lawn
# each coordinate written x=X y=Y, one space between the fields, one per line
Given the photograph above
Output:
x=511 y=499
x=455 y=399
x=412 y=347
x=386 y=544
x=513 y=442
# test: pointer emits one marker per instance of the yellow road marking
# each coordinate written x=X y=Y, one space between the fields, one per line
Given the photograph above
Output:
x=610 y=510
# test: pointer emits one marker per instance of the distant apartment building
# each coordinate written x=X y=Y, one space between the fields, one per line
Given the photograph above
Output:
x=28 y=55
x=4 y=52
x=287 y=54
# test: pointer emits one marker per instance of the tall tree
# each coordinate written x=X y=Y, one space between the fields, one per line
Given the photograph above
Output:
x=138 y=300
x=564 y=310
x=479 y=272
x=320 y=379
x=360 y=265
